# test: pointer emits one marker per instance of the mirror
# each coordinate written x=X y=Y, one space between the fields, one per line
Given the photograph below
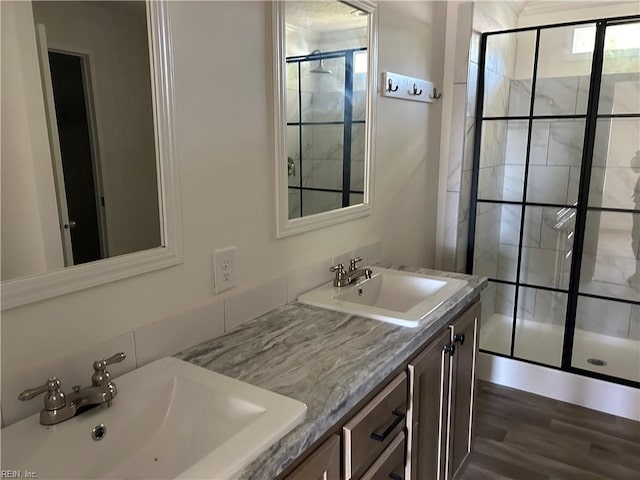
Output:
x=325 y=78
x=89 y=191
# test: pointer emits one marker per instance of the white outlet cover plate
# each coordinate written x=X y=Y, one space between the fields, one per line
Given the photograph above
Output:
x=224 y=269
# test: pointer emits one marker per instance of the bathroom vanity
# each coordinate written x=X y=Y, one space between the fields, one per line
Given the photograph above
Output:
x=374 y=391
x=417 y=426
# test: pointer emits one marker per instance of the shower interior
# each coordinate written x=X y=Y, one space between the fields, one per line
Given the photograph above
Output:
x=326 y=106
x=555 y=209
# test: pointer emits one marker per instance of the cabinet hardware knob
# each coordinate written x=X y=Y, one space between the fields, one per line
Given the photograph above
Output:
x=450 y=349
x=459 y=338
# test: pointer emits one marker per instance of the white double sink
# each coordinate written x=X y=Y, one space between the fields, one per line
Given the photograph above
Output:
x=170 y=419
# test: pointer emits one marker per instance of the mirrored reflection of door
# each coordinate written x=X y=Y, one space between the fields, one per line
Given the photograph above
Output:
x=78 y=164
x=54 y=142
x=67 y=90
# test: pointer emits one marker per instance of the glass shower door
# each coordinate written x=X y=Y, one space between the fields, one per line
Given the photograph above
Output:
x=607 y=333
x=555 y=194
x=530 y=156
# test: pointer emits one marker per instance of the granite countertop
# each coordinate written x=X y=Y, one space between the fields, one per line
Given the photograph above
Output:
x=328 y=360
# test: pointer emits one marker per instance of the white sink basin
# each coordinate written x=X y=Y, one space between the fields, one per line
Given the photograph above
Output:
x=393 y=296
x=170 y=419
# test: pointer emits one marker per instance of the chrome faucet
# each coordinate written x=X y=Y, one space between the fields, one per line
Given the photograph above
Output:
x=344 y=278
x=355 y=273
x=341 y=275
x=59 y=407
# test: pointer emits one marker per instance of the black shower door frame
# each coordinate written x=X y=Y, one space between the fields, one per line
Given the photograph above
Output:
x=581 y=207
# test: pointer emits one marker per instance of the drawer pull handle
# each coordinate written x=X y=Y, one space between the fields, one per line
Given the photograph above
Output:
x=382 y=437
x=395 y=476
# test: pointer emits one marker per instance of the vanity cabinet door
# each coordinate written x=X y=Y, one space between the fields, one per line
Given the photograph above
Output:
x=429 y=376
x=463 y=362
x=322 y=464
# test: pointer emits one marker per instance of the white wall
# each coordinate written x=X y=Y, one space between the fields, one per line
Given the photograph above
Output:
x=116 y=43
x=224 y=149
x=31 y=242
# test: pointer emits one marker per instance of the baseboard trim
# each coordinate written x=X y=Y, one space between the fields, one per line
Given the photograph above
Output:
x=568 y=387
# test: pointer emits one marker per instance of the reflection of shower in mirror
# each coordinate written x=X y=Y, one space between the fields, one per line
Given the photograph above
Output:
x=320 y=68
x=324 y=106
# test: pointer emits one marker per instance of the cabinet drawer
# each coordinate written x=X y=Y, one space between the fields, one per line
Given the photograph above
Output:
x=322 y=464
x=371 y=431
x=389 y=465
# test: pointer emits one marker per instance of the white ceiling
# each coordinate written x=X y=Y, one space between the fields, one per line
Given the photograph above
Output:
x=323 y=16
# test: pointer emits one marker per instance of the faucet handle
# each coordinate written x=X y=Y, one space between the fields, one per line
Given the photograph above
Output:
x=101 y=377
x=341 y=275
x=353 y=264
x=337 y=268
x=54 y=398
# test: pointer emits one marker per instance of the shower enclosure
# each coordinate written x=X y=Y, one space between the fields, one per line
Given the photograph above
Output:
x=555 y=196
x=326 y=93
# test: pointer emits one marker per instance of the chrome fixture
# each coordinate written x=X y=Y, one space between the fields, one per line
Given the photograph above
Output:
x=344 y=278
x=98 y=432
x=355 y=273
x=291 y=167
x=320 y=68
x=341 y=275
x=59 y=407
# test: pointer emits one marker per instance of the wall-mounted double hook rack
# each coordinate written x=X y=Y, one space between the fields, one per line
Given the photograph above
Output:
x=396 y=85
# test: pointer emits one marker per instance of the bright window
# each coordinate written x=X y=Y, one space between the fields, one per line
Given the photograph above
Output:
x=360 y=62
x=618 y=38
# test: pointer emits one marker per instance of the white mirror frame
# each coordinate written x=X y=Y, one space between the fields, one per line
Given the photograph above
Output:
x=285 y=226
x=30 y=289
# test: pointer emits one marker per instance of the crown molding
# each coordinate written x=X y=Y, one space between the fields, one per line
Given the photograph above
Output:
x=541 y=7
x=517 y=6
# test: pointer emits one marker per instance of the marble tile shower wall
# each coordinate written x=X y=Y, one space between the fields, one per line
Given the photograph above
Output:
x=494 y=255
x=179 y=332
x=460 y=144
x=473 y=18
x=554 y=172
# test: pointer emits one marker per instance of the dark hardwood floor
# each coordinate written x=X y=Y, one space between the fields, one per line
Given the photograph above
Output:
x=520 y=436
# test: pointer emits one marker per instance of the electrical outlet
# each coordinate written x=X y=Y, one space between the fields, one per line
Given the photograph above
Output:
x=224 y=269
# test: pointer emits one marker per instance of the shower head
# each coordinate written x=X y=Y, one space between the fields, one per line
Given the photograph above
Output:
x=320 y=68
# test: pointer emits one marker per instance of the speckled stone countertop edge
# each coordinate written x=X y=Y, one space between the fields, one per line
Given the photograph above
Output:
x=328 y=360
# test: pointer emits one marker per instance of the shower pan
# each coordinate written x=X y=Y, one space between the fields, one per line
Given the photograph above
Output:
x=555 y=196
